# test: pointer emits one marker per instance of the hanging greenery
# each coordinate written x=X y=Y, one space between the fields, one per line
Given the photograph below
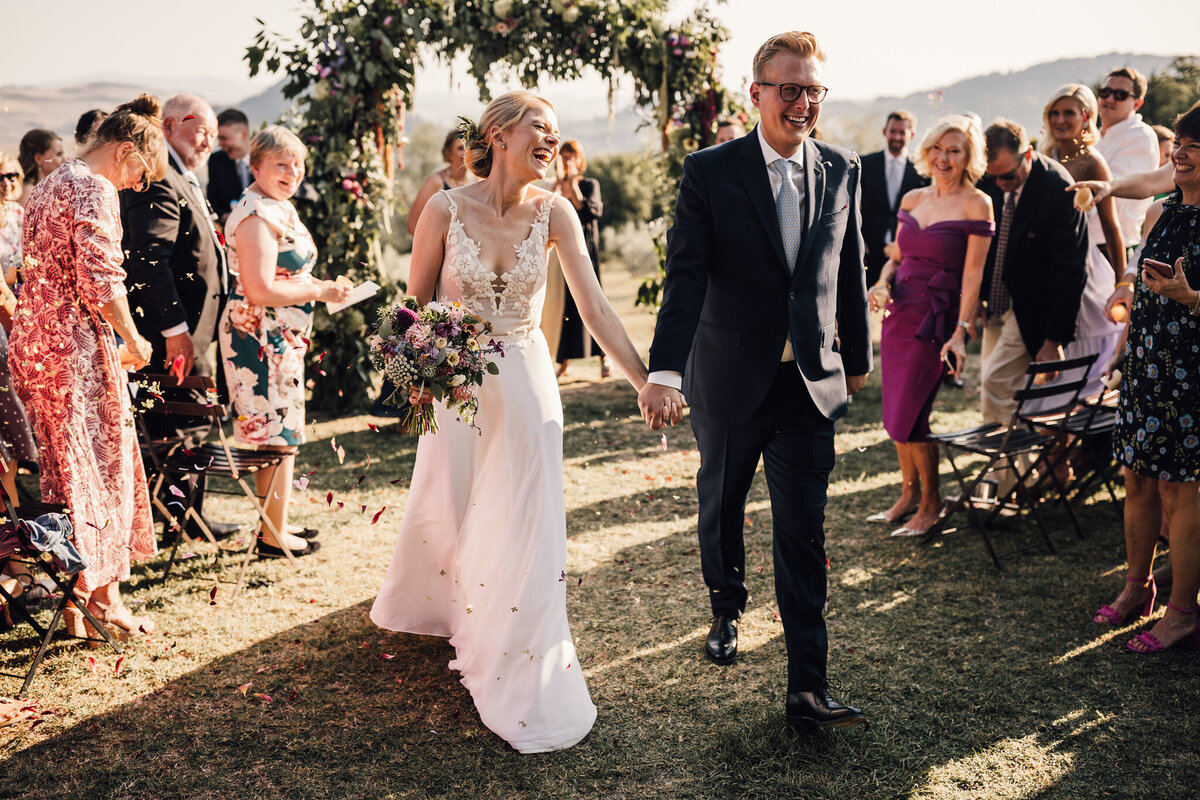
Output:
x=352 y=71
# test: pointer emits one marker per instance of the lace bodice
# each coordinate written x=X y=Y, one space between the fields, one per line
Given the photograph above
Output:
x=511 y=301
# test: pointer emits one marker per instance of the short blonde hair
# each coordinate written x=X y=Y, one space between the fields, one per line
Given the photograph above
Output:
x=800 y=43
x=1087 y=101
x=10 y=163
x=275 y=139
x=504 y=113
x=969 y=127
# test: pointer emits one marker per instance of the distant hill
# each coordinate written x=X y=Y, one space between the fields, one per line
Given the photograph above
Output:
x=1019 y=95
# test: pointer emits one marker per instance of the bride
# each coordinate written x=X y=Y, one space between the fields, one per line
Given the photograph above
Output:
x=481 y=556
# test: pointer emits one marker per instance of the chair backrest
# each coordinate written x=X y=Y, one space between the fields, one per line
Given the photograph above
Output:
x=1066 y=394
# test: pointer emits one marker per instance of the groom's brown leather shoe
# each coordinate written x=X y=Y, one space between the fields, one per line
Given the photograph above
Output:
x=817 y=709
x=721 y=644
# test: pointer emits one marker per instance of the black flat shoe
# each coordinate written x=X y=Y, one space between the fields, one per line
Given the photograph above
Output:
x=307 y=533
x=721 y=644
x=271 y=551
x=817 y=710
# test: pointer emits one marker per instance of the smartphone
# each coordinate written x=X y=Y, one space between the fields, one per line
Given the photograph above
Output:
x=1159 y=268
x=951 y=360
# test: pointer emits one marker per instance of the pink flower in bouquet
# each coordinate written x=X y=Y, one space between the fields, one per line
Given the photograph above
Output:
x=502 y=27
x=417 y=336
x=463 y=393
x=245 y=317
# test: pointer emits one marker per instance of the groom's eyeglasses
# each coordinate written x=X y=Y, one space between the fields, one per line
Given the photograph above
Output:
x=790 y=92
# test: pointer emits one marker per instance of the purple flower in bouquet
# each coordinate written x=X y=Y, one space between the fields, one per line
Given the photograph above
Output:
x=405 y=317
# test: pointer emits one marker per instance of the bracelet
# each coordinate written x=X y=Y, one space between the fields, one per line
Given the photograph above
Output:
x=1194 y=309
x=966 y=326
x=1124 y=283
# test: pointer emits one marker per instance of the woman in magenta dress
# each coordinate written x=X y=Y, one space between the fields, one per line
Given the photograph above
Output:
x=942 y=243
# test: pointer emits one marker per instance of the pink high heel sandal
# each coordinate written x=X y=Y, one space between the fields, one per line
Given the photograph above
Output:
x=1107 y=615
x=1146 y=642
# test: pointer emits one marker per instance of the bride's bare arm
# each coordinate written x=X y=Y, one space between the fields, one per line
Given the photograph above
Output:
x=598 y=315
x=429 y=243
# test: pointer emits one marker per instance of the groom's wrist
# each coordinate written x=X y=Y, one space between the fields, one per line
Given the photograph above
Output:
x=666 y=377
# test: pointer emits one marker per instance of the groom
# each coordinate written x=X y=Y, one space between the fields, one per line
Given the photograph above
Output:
x=764 y=327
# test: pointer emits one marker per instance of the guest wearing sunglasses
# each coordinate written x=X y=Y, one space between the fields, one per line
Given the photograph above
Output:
x=1128 y=145
x=177 y=273
x=66 y=366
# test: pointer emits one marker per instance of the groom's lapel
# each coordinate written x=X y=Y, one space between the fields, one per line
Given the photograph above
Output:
x=758 y=186
x=814 y=196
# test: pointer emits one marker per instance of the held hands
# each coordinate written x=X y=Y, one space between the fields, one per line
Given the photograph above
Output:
x=660 y=405
x=1176 y=287
x=855 y=382
x=178 y=345
x=418 y=395
x=135 y=354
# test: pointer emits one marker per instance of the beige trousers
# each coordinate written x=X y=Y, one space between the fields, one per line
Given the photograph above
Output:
x=1002 y=371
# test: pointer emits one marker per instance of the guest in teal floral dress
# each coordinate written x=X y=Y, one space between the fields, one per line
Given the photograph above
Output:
x=1158 y=425
x=264 y=329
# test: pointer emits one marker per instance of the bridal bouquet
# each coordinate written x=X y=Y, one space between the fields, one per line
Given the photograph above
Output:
x=439 y=347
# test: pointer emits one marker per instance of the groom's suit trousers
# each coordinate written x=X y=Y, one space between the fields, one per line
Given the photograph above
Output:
x=795 y=442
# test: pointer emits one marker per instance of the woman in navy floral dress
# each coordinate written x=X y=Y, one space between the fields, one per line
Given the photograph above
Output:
x=1158 y=426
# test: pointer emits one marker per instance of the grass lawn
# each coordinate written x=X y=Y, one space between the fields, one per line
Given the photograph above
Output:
x=979 y=683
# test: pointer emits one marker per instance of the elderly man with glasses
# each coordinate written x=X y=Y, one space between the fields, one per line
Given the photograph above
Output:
x=177 y=274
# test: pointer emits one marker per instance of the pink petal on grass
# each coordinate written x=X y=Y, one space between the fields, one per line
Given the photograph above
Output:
x=266 y=698
x=386 y=656
x=245 y=687
x=92 y=664
x=329 y=499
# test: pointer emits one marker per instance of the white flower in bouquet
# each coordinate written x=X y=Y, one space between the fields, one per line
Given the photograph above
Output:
x=440 y=343
x=458 y=380
x=453 y=359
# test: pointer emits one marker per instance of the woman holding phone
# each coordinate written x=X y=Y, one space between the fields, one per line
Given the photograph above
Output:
x=942 y=243
x=1157 y=437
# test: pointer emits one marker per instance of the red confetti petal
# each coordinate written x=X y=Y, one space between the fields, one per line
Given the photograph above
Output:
x=378 y=514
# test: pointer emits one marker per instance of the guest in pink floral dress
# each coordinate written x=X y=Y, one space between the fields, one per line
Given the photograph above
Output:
x=65 y=362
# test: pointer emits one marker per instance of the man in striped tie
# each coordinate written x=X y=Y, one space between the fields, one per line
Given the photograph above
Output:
x=764 y=328
x=1036 y=268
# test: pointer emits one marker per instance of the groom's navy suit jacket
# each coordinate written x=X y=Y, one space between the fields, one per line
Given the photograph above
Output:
x=729 y=301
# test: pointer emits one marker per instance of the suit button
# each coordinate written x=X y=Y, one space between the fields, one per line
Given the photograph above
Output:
x=791 y=295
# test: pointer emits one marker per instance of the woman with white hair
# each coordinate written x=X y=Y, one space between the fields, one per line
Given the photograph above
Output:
x=264 y=329
x=930 y=293
x=481 y=556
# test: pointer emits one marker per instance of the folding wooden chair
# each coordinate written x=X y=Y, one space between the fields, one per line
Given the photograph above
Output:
x=1004 y=447
x=175 y=463
x=15 y=544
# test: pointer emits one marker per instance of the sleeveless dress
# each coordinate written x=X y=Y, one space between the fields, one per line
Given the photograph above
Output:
x=1158 y=420
x=920 y=319
x=263 y=348
x=481 y=555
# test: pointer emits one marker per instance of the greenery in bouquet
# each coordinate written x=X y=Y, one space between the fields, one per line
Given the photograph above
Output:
x=439 y=347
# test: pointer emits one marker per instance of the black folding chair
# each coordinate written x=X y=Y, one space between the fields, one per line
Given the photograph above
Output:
x=15 y=545
x=193 y=467
x=1004 y=447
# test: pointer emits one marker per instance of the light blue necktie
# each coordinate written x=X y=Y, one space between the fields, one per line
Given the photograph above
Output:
x=787 y=207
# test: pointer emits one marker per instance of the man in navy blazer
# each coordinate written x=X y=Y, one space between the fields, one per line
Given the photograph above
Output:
x=887 y=175
x=764 y=327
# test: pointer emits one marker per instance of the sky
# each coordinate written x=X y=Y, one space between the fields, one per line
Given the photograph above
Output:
x=874 y=47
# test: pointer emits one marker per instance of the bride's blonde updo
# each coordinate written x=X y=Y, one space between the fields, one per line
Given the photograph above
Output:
x=138 y=122
x=504 y=113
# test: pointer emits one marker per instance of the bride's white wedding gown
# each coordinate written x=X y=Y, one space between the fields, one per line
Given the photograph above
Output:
x=482 y=549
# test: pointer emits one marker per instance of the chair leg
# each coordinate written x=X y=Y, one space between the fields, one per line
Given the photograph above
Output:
x=964 y=500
